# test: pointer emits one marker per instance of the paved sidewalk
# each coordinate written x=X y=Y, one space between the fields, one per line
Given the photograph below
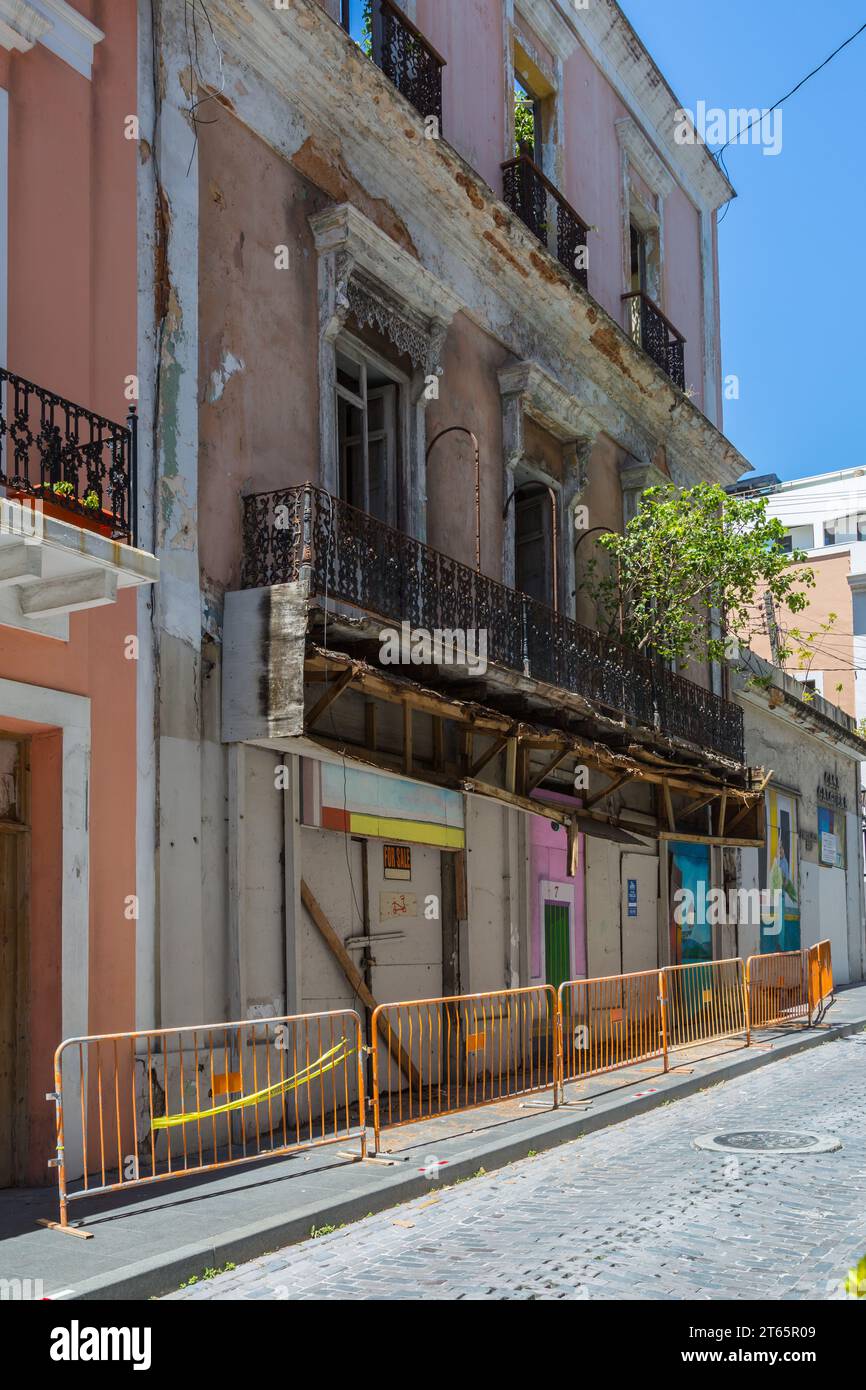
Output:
x=150 y=1242
x=632 y=1212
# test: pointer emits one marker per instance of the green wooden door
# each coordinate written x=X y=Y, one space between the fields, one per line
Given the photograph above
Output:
x=557 y=942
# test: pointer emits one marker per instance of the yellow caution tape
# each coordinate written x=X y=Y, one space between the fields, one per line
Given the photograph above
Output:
x=327 y=1062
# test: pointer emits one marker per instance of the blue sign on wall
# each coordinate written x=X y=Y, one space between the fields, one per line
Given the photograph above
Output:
x=632 y=897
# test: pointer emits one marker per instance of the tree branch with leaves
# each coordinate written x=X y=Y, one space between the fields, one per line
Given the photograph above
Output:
x=689 y=555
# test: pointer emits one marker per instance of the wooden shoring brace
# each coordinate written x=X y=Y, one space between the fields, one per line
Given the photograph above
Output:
x=408 y=753
x=333 y=692
x=572 y=845
x=489 y=754
x=355 y=978
x=608 y=790
x=669 y=806
x=559 y=757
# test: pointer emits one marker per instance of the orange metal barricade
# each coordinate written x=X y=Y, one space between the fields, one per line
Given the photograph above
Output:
x=705 y=1002
x=139 y=1108
x=777 y=986
x=436 y=1056
x=820 y=974
x=611 y=1022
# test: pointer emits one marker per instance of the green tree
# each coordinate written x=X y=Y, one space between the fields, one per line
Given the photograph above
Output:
x=686 y=554
x=524 y=121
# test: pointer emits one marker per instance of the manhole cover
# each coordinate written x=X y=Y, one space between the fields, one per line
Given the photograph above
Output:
x=768 y=1141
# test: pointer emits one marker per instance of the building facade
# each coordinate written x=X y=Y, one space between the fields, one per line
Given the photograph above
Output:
x=70 y=570
x=413 y=304
x=825 y=516
x=406 y=372
x=812 y=859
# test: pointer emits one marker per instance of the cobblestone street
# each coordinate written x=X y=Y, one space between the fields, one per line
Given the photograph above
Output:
x=634 y=1211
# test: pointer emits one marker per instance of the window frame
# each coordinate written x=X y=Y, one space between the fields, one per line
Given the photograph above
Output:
x=364 y=357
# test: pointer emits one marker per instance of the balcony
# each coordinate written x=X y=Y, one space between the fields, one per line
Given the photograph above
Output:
x=537 y=202
x=405 y=57
x=303 y=533
x=79 y=465
x=67 y=508
x=657 y=336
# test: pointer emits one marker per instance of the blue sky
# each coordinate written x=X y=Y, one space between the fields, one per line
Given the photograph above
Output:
x=791 y=276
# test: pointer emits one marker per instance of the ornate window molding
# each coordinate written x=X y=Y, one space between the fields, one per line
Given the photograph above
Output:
x=409 y=335
x=637 y=147
x=554 y=31
x=363 y=272
x=527 y=390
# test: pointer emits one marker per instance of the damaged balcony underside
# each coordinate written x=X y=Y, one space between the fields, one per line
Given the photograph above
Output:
x=514 y=694
x=284 y=689
x=479 y=750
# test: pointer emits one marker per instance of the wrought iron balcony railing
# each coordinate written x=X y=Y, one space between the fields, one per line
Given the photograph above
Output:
x=537 y=202
x=67 y=457
x=403 y=54
x=657 y=336
x=345 y=554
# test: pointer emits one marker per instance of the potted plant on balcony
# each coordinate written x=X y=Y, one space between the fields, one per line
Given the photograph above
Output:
x=86 y=513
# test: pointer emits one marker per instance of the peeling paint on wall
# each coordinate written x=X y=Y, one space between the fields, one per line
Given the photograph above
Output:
x=222 y=375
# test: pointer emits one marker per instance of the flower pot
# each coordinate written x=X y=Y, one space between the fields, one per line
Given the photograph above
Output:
x=101 y=521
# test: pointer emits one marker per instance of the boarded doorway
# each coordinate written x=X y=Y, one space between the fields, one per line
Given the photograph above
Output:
x=14 y=954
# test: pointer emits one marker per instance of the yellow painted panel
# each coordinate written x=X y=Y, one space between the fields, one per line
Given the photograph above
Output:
x=415 y=832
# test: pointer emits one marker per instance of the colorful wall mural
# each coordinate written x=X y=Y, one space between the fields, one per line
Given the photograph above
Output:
x=340 y=797
x=779 y=869
x=691 y=934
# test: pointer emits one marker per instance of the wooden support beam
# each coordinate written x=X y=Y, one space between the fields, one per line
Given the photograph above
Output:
x=740 y=816
x=725 y=841
x=669 y=806
x=559 y=757
x=698 y=805
x=370 y=721
x=438 y=742
x=511 y=755
x=488 y=755
x=355 y=978
x=722 y=809
x=573 y=843
x=333 y=692
x=607 y=791
x=466 y=740
x=407 y=738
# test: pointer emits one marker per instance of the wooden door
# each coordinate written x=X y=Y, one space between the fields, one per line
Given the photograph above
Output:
x=14 y=895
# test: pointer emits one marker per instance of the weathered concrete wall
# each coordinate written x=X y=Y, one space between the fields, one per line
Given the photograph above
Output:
x=468 y=396
x=258 y=329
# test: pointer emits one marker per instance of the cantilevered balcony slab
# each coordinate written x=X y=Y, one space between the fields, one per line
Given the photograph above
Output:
x=50 y=568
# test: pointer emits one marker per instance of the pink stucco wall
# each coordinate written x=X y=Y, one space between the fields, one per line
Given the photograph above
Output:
x=548 y=860
x=470 y=36
x=72 y=329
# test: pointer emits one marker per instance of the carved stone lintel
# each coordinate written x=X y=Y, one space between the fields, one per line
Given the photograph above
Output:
x=371 y=306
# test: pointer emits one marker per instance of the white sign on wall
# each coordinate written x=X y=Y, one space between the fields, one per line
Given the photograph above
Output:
x=829 y=848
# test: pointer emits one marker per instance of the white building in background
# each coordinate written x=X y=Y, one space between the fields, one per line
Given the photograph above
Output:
x=825 y=515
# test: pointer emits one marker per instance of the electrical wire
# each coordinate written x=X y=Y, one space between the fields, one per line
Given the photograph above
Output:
x=719 y=155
